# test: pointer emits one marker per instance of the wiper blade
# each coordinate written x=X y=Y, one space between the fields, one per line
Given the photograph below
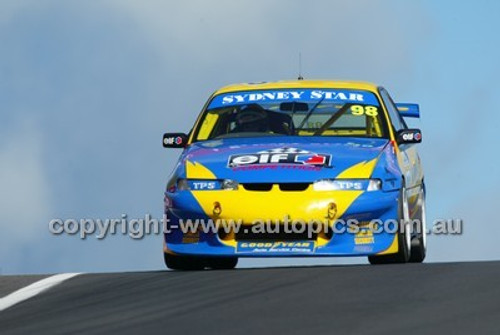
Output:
x=310 y=113
x=331 y=120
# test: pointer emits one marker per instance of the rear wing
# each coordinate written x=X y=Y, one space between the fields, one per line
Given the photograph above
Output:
x=408 y=110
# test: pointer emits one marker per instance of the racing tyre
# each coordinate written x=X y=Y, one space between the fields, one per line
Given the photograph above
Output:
x=419 y=240
x=404 y=236
x=222 y=263
x=185 y=263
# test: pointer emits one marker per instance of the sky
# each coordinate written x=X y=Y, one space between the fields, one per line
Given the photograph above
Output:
x=87 y=88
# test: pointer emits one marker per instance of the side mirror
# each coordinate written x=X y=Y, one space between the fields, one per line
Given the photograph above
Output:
x=408 y=110
x=175 y=140
x=406 y=136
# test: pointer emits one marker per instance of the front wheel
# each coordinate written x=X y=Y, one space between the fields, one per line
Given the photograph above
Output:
x=186 y=263
x=222 y=263
x=419 y=240
x=403 y=236
x=191 y=263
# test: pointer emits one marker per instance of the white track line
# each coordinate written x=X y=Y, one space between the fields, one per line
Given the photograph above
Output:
x=33 y=289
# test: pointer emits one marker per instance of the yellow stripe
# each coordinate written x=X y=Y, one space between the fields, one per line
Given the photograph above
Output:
x=360 y=170
x=290 y=84
x=195 y=170
x=207 y=126
x=275 y=205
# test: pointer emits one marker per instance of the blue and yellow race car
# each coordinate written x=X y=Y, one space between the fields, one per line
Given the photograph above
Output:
x=296 y=168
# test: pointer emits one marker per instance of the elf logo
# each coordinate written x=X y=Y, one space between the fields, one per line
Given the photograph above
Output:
x=412 y=137
x=280 y=156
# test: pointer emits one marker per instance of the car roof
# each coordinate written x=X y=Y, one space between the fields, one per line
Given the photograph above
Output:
x=357 y=85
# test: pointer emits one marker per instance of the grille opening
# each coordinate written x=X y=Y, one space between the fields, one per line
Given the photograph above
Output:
x=262 y=187
x=294 y=186
x=286 y=187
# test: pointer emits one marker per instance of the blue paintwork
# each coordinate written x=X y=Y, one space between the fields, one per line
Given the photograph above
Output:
x=370 y=205
x=345 y=152
x=408 y=110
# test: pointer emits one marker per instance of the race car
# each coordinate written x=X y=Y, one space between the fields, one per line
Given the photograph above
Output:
x=296 y=169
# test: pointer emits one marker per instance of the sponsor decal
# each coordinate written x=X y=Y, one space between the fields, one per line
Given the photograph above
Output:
x=416 y=136
x=276 y=247
x=171 y=140
x=306 y=95
x=364 y=236
x=191 y=237
x=276 y=167
x=204 y=185
x=278 y=156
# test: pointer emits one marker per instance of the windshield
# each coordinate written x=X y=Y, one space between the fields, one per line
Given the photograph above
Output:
x=293 y=112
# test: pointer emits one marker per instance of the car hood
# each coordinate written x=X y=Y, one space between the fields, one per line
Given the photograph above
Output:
x=281 y=159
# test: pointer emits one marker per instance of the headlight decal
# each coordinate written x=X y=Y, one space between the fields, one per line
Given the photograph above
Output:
x=206 y=184
x=347 y=185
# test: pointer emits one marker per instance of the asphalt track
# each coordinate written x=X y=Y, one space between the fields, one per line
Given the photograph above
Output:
x=445 y=298
x=12 y=283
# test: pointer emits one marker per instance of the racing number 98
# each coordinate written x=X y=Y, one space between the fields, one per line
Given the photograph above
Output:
x=361 y=110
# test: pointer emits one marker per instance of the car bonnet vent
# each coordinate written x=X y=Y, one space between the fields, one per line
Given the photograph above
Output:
x=286 y=187
x=294 y=186
x=262 y=187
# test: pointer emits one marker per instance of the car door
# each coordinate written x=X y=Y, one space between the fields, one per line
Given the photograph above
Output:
x=407 y=154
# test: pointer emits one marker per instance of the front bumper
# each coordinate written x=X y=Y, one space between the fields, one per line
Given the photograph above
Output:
x=247 y=207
